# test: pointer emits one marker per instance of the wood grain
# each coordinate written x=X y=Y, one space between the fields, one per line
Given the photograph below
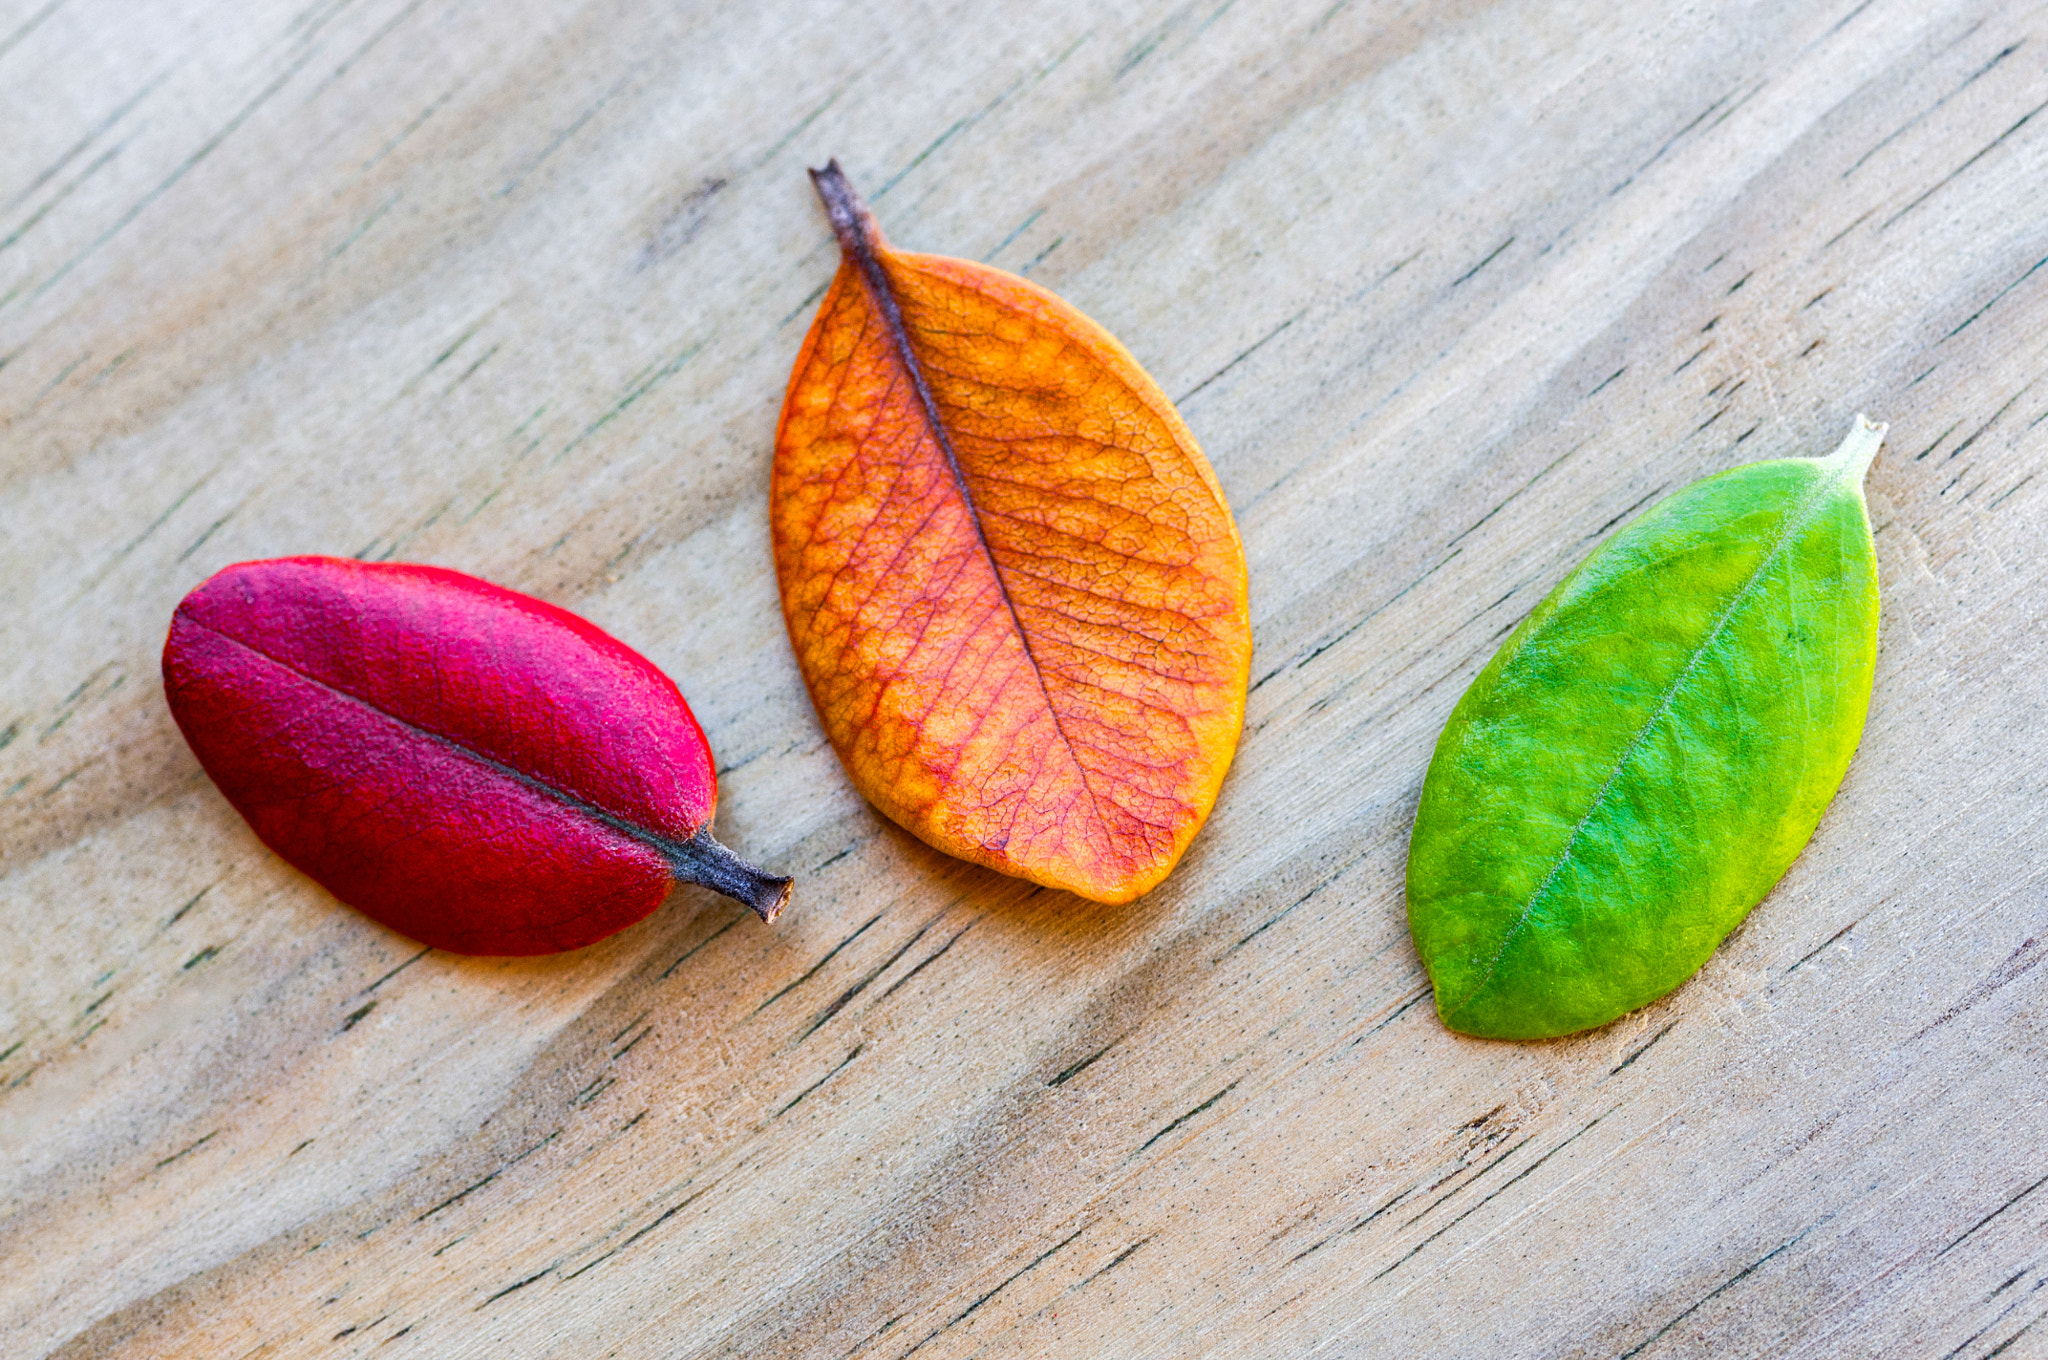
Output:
x=1446 y=290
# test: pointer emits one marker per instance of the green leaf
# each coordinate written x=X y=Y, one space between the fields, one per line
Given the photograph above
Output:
x=1647 y=754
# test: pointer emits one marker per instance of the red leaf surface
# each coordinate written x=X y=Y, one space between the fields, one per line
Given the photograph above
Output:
x=471 y=766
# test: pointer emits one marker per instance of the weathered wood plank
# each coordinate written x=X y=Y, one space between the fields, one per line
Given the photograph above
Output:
x=1447 y=289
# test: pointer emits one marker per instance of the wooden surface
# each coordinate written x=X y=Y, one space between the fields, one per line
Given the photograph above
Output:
x=1446 y=290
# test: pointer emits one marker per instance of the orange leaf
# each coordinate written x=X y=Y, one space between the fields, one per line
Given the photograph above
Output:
x=1010 y=576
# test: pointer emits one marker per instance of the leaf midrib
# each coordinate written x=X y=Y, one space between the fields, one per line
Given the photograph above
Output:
x=876 y=282
x=670 y=849
x=1801 y=517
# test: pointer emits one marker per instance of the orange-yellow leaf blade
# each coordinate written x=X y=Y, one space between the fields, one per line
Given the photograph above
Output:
x=1010 y=576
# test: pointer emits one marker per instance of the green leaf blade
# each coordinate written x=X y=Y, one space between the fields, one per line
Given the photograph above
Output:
x=1649 y=751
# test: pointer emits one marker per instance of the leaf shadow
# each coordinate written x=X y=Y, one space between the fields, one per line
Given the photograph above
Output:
x=1032 y=918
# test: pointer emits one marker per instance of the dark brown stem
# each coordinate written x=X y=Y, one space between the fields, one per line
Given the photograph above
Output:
x=852 y=223
x=702 y=860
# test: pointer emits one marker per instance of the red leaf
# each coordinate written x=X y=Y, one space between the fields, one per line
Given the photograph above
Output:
x=474 y=767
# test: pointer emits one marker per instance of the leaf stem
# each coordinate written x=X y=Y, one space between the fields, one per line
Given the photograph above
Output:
x=859 y=234
x=1852 y=459
x=702 y=860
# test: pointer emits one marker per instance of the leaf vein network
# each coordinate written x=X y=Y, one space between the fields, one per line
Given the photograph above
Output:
x=1797 y=521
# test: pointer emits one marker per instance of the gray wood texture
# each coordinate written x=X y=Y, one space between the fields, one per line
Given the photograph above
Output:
x=1447 y=289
